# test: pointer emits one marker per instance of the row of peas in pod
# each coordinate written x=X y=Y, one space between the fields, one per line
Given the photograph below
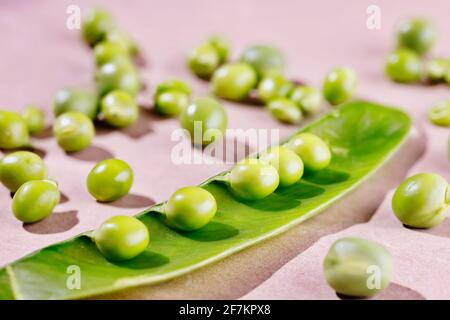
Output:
x=260 y=71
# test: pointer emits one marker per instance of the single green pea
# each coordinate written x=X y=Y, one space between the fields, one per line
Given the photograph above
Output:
x=19 y=167
x=73 y=131
x=421 y=201
x=339 y=85
x=110 y=180
x=96 y=24
x=71 y=99
x=436 y=69
x=171 y=102
x=253 y=179
x=13 y=131
x=358 y=267
x=35 y=200
x=264 y=59
x=418 y=35
x=177 y=85
x=34 y=118
x=119 y=73
x=119 y=109
x=203 y=60
x=285 y=110
x=233 y=81
x=106 y=51
x=274 y=86
x=121 y=238
x=190 y=208
x=309 y=99
x=222 y=47
x=313 y=151
x=205 y=119
x=287 y=162
x=440 y=114
x=122 y=39
x=403 y=65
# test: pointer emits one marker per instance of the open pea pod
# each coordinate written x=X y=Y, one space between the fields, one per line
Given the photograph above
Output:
x=362 y=137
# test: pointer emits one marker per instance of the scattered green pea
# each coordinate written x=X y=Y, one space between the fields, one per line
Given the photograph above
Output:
x=436 y=69
x=203 y=60
x=358 y=267
x=13 y=131
x=35 y=200
x=34 y=118
x=288 y=164
x=119 y=73
x=233 y=81
x=274 y=86
x=339 y=85
x=96 y=24
x=119 y=109
x=222 y=47
x=71 y=99
x=190 y=208
x=177 y=85
x=307 y=98
x=205 y=119
x=264 y=59
x=106 y=51
x=440 y=114
x=122 y=39
x=403 y=65
x=416 y=34
x=121 y=238
x=313 y=151
x=172 y=97
x=73 y=131
x=285 y=110
x=19 y=167
x=110 y=180
x=421 y=201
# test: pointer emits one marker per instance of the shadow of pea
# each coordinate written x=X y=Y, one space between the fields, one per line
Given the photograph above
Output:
x=44 y=134
x=56 y=223
x=131 y=201
x=392 y=292
x=441 y=230
x=92 y=153
x=40 y=152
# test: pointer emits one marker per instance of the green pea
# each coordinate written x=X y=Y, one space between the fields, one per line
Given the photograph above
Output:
x=171 y=103
x=190 y=208
x=205 y=119
x=110 y=180
x=440 y=114
x=96 y=24
x=358 y=267
x=119 y=73
x=122 y=39
x=13 y=131
x=71 y=99
x=287 y=162
x=73 y=131
x=436 y=69
x=418 y=35
x=222 y=47
x=173 y=85
x=106 y=51
x=203 y=60
x=253 y=179
x=421 y=201
x=274 y=86
x=339 y=85
x=313 y=151
x=233 y=81
x=119 y=109
x=403 y=65
x=35 y=200
x=307 y=98
x=19 y=167
x=34 y=118
x=264 y=59
x=285 y=110
x=121 y=238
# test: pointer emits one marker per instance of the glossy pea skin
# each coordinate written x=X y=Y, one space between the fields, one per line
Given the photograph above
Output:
x=307 y=98
x=313 y=151
x=35 y=200
x=205 y=119
x=118 y=74
x=274 y=86
x=421 y=201
x=403 y=65
x=339 y=85
x=440 y=114
x=34 y=118
x=106 y=51
x=19 y=167
x=416 y=34
x=122 y=39
x=285 y=110
x=190 y=208
x=110 y=180
x=177 y=85
x=233 y=81
x=13 y=131
x=253 y=179
x=96 y=24
x=79 y=100
x=119 y=109
x=222 y=47
x=121 y=238
x=287 y=162
x=264 y=59
x=73 y=131
x=203 y=60
x=436 y=69
x=358 y=267
x=171 y=102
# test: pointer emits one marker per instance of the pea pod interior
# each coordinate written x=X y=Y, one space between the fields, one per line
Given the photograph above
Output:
x=362 y=136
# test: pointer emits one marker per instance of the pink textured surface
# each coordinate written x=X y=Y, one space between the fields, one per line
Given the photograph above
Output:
x=40 y=55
